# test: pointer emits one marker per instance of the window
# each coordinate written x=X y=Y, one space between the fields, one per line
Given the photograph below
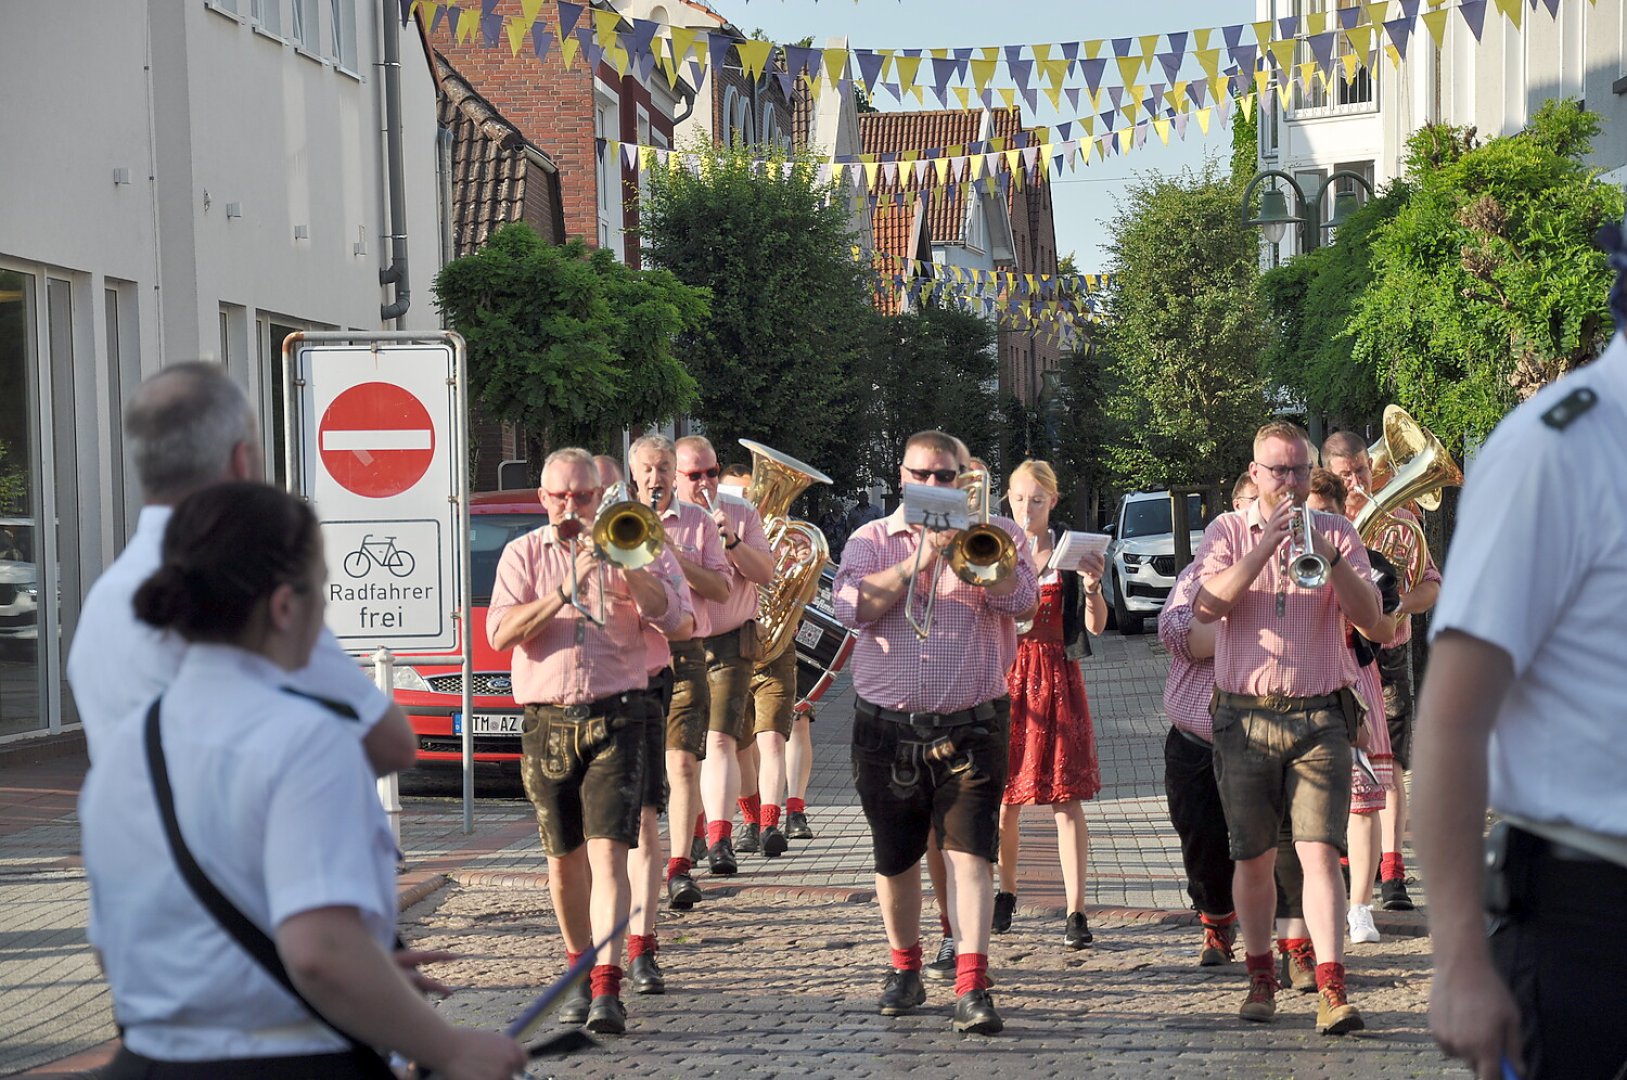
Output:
x=770 y=133
x=1270 y=133
x=304 y=28
x=606 y=125
x=268 y=14
x=1339 y=93
x=342 y=16
x=730 y=132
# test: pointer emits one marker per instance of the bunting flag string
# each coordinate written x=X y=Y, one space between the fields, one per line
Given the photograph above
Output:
x=1047 y=284
x=1320 y=45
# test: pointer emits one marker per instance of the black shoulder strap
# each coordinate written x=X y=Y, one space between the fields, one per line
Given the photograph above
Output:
x=231 y=919
x=334 y=706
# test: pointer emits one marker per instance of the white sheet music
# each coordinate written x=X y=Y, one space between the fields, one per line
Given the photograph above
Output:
x=1074 y=547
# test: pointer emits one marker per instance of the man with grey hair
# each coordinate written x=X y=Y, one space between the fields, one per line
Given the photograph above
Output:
x=190 y=427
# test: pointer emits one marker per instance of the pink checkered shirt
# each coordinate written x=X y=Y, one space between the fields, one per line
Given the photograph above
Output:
x=556 y=666
x=964 y=662
x=1191 y=680
x=742 y=602
x=1300 y=653
x=657 y=649
x=691 y=531
x=1431 y=573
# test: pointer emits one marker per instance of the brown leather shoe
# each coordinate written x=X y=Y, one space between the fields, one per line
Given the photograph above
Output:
x=1261 y=1003
x=1218 y=937
x=1334 y=1014
x=1299 y=970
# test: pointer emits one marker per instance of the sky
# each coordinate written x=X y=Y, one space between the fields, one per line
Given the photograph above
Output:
x=1086 y=197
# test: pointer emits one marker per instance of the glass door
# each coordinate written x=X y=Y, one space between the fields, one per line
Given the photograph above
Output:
x=20 y=682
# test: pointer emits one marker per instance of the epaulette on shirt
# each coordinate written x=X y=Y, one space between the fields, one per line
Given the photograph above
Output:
x=1565 y=412
x=337 y=708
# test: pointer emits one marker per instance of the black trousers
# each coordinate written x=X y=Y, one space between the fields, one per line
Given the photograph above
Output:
x=1200 y=822
x=348 y=1065
x=1562 y=954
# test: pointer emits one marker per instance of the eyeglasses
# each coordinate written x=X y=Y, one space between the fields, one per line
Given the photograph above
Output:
x=580 y=498
x=1280 y=473
x=942 y=476
x=702 y=474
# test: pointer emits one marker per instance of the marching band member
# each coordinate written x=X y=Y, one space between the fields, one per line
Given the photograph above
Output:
x=644 y=861
x=728 y=672
x=582 y=679
x=929 y=732
x=1284 y=715
x=693 y=540
x=1345 y=455
x=1052 y=757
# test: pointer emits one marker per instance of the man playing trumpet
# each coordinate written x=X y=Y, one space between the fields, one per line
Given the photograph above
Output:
x=929 y=742
x=1285 y=717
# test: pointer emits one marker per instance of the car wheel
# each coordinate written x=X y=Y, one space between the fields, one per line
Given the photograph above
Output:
x=1128 y=624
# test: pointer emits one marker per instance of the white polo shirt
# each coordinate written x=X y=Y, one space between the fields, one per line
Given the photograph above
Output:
x=118 y=663
x=1538 y=568
x=274 y=797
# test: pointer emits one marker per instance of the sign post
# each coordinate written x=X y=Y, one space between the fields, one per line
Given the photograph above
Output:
x=376 y=440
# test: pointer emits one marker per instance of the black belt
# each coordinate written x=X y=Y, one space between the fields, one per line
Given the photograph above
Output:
x=1540 y=845
x=603 y=707
x=1191 y=738
x=985 y=711
x=1277 y=702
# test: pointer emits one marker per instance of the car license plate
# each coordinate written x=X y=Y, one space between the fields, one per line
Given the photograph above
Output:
x=808 y=634
x=489 y=724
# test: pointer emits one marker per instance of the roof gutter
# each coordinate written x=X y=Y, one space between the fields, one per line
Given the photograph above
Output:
x=396 y=273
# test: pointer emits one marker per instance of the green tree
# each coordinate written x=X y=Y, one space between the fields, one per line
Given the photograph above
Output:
x=1183 y=393
x=790 y=322
x=1309 y=300
x=1245 y=144
x=569 y=344
x=1487 y=284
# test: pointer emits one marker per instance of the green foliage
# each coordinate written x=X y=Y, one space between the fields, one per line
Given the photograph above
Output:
x=1245 y=144
x=1487 y=284
x=1182 y=390
x=567 y=343
x=783 y=355
x=1078 y=427
x=1309 y=301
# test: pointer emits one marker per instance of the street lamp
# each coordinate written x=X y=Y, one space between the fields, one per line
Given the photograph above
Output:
x=1275 y=215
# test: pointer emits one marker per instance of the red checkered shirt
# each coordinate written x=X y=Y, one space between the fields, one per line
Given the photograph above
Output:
x=963 y=663
x=1300 y=653
x=742 y=602
x=689 y=530
x=570 y=661
x=1191 y=681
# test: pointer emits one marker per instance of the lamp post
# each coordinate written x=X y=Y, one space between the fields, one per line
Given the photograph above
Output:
x=1276 y=215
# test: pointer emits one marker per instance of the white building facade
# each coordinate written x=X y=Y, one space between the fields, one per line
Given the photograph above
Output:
x=213 y=178
x=1494 y=84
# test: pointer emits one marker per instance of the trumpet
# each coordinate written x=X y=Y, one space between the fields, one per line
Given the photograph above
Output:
x=1308 y=569
x=982 y=555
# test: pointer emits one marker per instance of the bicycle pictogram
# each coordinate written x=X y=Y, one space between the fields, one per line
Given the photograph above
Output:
x=381 y=553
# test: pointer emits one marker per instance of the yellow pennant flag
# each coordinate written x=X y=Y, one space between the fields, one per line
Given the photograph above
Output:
x=1014 y=162
x=983 y=71
x=468 y=24
x=1162 y=126
x=1394 y=54
x=1361 y=40
x=964 y=94
x=1262 y=32
x=1054 y=94
x=516 y=31
x=1436 y=22
x=835 y=64
x=938 y=54
x=1200 y=38
x=1351 y=65
x=1220 y=86
x=1283 y=52
x=1042 y=53
x=568 y=48
x=683 y=42
x=871 y=170
x=1209 y=61
x=1316 y=23
x=1203 y=120
x=1175 y=95
x=1092 y=47
x=1054 y=71
x=908 y=67
x=754 y=56
x=604 y=28
x=941 y=166
x=618 y=56
x=1149 y=45
x=1008 y=95
x=1129 y=67
x=1511 y=10
x=531 y=9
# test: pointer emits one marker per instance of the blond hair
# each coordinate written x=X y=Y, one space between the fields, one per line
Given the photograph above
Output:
x=1041 y=473
x=1285 y=430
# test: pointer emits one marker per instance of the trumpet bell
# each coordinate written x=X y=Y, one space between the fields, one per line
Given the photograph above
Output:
x=629 y=535
x=983 y=555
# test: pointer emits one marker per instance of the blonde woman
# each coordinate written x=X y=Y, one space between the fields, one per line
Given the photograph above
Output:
x=1053 y=745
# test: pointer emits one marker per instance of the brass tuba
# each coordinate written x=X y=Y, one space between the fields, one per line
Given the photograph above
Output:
x=1416 y=467
x=800 y=549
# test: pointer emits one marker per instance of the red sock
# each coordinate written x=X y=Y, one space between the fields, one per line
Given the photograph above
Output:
x=1390 y=867
x=907 y=959
x=571 y=958
x=943 y=922
x=1344 y=861
x=1330 y=975
x=1264 y=964
x=769 y=816
x=750 y=808
x=1296 y=947
x=639 y=944
x=971 y=972
x=605 y=979
x=718 y=830
x=678 y=866
x=794 y=805
x=700 y=825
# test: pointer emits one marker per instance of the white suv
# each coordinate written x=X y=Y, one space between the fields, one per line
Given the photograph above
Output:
x=1141 y=558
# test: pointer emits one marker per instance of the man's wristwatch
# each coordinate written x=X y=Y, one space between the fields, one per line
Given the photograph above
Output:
x=1337 y=555
x=564 y=597
x=730 y=545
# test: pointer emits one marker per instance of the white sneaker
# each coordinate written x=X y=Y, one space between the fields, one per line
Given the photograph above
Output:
x=1362 y=930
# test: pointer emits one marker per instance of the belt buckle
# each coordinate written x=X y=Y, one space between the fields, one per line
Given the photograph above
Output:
x=923 y=719
x=1276 y=702
x=576 y=712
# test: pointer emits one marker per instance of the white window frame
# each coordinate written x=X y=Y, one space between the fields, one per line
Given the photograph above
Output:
x=607 y=125
x=342 y=27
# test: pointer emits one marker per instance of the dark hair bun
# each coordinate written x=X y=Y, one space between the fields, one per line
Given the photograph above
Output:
x=163 y=597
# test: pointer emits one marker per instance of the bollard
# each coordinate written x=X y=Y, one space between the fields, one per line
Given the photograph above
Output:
x=389 y=787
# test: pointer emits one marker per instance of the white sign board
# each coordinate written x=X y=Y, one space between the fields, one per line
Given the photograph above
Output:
x=376 y=432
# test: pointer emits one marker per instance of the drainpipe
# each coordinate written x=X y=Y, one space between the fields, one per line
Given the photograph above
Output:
x=396 y=273
x=443 y=166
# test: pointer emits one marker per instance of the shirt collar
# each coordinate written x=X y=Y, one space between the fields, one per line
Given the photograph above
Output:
x=895 y=522
x=1252 y=516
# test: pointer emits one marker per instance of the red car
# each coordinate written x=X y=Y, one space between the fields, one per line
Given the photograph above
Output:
x=429 y=688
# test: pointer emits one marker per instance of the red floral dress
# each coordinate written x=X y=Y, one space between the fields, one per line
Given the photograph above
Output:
x=1053 y=744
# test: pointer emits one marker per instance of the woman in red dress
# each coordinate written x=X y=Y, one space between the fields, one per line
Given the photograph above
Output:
x=1053 y=746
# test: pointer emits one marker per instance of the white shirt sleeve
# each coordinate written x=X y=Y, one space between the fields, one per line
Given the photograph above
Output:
x=1518 y=554
x=323 y=828
x=334 y=674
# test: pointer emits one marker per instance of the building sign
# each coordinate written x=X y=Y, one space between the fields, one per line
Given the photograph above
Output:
x=375 y=429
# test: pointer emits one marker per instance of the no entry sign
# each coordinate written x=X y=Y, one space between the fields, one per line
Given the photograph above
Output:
x=376 y=440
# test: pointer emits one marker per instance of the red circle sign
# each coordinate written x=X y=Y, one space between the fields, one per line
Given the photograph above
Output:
x=376 y=440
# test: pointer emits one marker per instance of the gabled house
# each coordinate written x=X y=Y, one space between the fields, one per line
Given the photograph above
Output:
x=902 y=235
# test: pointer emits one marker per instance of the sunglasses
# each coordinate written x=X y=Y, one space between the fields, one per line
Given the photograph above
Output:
x=580 y=498
x=702 y=474
x=942 y=476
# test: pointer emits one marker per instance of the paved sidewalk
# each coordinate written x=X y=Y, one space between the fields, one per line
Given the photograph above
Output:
x=813 y=976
